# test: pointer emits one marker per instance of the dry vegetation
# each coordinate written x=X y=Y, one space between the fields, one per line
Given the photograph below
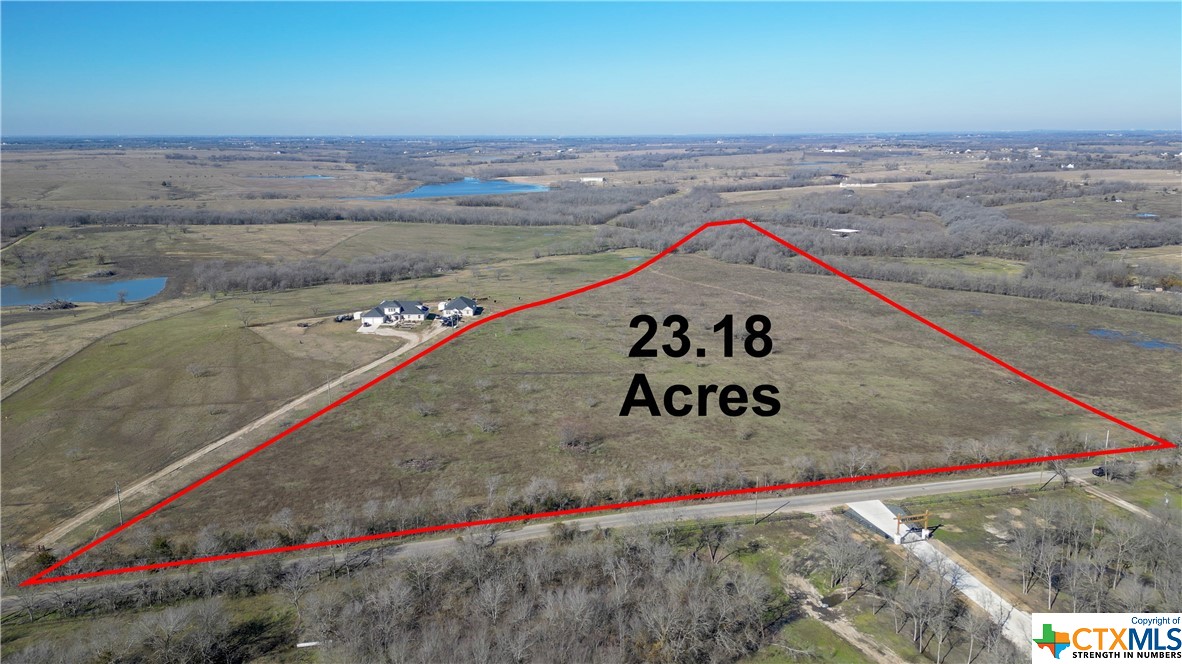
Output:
x=421 y=448
x=1030 y=260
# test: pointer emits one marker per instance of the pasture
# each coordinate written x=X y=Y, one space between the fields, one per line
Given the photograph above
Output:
x=137 y=398
x=859 y=383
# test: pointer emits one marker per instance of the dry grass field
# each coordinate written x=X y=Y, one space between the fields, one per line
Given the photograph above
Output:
x=84 y=387
x=115 y=180
x=852 y=373
x=1094 y=210
x=1156 y=177
x=128 y=403
x=139 y=398
x=1168 y=257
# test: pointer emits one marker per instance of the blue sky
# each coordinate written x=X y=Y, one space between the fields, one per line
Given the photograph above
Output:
x=579 y=69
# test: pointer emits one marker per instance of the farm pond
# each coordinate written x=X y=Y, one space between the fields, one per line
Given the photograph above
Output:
x=82 y=291
x=465 y=187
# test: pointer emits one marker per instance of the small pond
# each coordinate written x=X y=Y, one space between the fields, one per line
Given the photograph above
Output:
x=465 y=187
x=1135 y=338
x=82 y=291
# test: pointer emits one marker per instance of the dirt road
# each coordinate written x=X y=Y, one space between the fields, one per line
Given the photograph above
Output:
x=49 y=539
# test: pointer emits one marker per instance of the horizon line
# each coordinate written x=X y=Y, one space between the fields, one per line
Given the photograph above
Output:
x=951 y=132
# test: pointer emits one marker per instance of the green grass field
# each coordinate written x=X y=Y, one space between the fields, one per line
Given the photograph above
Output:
x=814 y=636
x=1148 y=492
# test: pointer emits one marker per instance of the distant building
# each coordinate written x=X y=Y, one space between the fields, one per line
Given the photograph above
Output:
x=591 y=180
x=460 y=306
x=843 y=232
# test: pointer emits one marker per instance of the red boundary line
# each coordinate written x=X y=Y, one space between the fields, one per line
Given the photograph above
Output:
x=41 y=578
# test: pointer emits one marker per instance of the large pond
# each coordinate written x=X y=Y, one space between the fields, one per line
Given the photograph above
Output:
x=82 y=291
x=465 y=187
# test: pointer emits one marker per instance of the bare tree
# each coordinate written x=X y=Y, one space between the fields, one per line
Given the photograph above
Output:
x=978 y=626
x=297 y=582
x=844 y=557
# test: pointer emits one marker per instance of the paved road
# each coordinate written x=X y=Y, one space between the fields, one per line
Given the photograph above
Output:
x=1015 y=622
x=49 y=539
x=756 y=507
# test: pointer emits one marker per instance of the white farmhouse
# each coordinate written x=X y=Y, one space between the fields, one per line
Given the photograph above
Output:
x=390 y=312
x=460 y=306
x=398 y=310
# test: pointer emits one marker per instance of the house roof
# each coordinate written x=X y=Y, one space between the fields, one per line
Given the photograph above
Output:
x=460 y=303
x=401 y=305
x=374 y=313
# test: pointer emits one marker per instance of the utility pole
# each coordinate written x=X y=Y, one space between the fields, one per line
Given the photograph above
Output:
x=8 y=575
x=119 y=500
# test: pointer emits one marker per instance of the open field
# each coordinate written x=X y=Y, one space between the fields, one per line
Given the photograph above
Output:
x=1149 y=491
x=34 y=341
x=116 y=179
x=1095 y=210
x=1168 y=257
x=142 y=396
x=522 y=415
x=1156 y=177
x=869 y=187
x=134 y=389
x=171 y=251
x=971 y=264
x=504 y=393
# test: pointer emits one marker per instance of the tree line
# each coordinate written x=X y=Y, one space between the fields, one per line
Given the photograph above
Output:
x=572 y=202
x=652 y=595
x=339 y=519
x=220 y=277
x=565 y=205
